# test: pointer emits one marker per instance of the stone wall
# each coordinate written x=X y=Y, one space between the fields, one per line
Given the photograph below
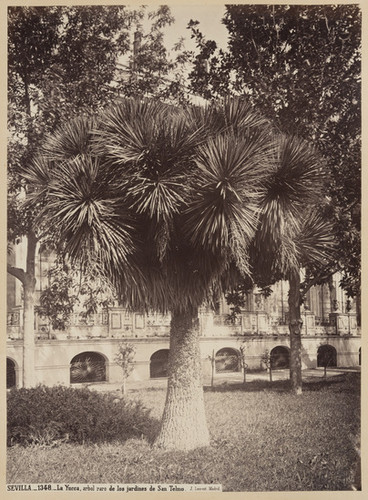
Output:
x=53 y=357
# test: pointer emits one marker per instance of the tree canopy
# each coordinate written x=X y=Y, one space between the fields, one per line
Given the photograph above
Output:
x=177 y=203
x=63 y=61
x=164 y=206
x=300 y=65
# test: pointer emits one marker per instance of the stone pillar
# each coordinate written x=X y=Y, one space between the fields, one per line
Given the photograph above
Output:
x=205 y=322
x=309 y=324
x=246 y=322
x=353 y=330
x=326 y=301
x=262 y=323
x=340 y=321
x=261 y=315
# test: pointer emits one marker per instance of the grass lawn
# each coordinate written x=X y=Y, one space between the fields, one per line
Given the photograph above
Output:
x=263 y=439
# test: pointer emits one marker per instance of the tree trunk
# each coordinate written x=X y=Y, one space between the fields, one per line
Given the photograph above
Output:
x=213 y=361
x=358 y=308
x=295 y=332
x=184 y=425
x=29 y=287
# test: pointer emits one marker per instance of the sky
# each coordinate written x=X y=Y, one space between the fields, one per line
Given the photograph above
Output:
x=209 y=17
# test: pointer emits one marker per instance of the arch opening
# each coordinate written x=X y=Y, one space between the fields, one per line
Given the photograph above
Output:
x=227 y=360
x=11 y=379
x=87 y=366
x=326 y=356
x=280 y=357
x=159 y=363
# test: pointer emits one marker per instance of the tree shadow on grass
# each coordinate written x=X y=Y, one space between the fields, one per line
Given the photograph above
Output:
x=147 y=389
x=346 y=382
x=253 y=386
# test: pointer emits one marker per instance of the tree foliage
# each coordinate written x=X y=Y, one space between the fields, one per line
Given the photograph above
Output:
x=160 y=206
x=71 y=289
x=125 y=359
x=166 y=200
x=153 y=69
x=46 y=86
x=62 y=61
x=300 y=65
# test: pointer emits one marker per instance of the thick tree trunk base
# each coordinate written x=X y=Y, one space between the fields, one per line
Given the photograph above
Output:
x=184 y=425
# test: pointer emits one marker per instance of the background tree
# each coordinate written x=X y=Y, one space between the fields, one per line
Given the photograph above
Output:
x=212 y=360
x=152 y=69
x=125 y=358
x=266 y=358
x=44 y=86
x=62 y=61
x=243 y=360
x=300 y=65
x=71 y=289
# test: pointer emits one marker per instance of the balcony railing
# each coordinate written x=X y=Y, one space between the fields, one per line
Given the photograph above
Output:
x=321 y=321
x=97 y=319
x=121 y=323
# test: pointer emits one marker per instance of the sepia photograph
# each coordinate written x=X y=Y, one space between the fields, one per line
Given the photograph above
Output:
x=183 y=251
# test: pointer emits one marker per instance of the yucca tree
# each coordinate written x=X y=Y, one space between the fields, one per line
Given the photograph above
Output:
x=293 y=232
x=167 y=201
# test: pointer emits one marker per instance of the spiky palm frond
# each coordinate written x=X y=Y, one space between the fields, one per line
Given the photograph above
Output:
x=156 y=133
x=87 y=370
x=153 y=143
x=206 y=119
x=88 y=215
x=128 y=128
x=294 y=183
x=71 y=139
x=38 y=175
x=316 y=243
x=228 y=183
x=239 y=115
x=297 y=176
x=150 y=146
x=233 y=114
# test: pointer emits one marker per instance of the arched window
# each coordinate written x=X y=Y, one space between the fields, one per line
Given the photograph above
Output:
x=227 y=360
x=158 y=363
x=88 y=367
x=10 y=373
x=280 y=357
x=326 y=356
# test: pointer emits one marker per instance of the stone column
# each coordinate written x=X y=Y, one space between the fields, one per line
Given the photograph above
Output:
x=340 y=321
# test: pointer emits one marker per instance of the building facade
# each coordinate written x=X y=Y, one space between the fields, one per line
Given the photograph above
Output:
x=85 y=351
